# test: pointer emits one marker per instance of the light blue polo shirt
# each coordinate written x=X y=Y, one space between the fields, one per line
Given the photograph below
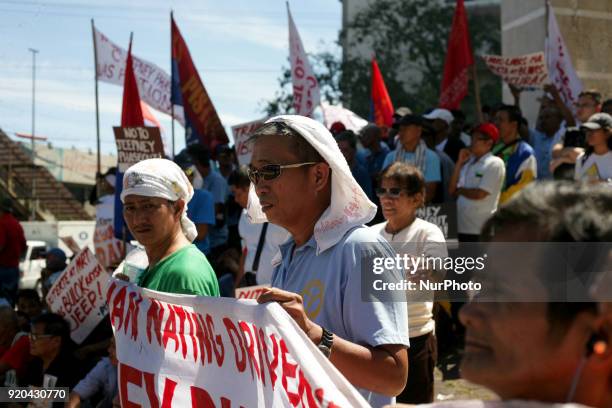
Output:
x=330 y=284
x=432 y=173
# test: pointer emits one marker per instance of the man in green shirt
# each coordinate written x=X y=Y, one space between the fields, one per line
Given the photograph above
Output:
x=155 y=196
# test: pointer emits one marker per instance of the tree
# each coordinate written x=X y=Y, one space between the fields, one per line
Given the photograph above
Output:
x=409 y=39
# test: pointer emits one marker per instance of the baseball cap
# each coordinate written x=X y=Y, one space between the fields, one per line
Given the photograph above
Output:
x=58 y=253
x=488 y=129
x=441 y=114
x=598 y=121
x=407 y=120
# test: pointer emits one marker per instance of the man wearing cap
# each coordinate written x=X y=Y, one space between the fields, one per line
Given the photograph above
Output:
x=12 y=245
x=301 y=181
x=595 y=164
x=411 y=149
x=155 y=196
x=441 y=121
x=476 y=182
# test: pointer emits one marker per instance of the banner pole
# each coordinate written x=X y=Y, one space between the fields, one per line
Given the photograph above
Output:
x=98 y=159
x=171 y=87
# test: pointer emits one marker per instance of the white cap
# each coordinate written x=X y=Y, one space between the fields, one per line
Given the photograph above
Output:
x=442 y=114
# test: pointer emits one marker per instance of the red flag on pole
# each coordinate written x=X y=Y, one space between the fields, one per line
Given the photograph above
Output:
x=382 y=107
x=202 y=123
x=131 y=113
x=458 y=60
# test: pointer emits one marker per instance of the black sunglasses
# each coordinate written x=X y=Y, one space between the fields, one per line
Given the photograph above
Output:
x=272 y=171
x=394 y=192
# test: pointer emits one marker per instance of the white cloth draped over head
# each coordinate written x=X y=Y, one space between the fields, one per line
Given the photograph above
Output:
x=164 y=179
x=349 y=205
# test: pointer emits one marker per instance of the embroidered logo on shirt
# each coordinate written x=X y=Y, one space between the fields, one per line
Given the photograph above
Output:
x=312 y=296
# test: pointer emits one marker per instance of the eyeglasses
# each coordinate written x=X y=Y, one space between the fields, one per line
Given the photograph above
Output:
x=35 y=336
x=393 y=192
x=272 y=171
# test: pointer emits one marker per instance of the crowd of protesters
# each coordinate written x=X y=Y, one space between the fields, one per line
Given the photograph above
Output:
x=299 y=213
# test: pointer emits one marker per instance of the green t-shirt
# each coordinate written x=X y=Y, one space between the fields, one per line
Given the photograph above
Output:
x=185 y=271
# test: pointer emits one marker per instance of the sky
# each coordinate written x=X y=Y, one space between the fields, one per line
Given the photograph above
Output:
x=238 y=46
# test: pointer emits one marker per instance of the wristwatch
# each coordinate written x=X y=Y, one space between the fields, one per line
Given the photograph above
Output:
x=326 y=343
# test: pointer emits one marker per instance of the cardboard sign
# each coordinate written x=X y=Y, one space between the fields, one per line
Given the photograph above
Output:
x=442 y=215
x=71 y=244
x=250 y=292
x=78 y=295
x=525 y=71
x=241 y=134
x=135 y=144
x=184 y=351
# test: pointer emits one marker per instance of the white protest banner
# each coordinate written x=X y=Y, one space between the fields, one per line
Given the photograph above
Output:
x=348 y=118
x=137 y=143
x=241 y=134
x=524 y=71
x=78 y=295
x=108 y=249
x=306 y=94
x=560 y=68
x=153 y=82
x=250 y=292
x=193 y=351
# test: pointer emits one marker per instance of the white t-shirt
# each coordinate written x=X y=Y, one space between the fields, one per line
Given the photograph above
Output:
x=249 y=234
x=420 y=237
x=596 y=167
x=486 y=173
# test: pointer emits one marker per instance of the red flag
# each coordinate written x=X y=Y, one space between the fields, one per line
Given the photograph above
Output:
x=131 y=113
x=202 y=124
x=458 y=60
x=382 y=107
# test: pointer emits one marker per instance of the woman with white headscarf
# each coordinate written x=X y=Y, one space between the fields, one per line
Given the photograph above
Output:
x=155 y=196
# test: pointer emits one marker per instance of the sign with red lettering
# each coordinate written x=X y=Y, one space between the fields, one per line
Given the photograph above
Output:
x=250 y=292
x=71 y=244
x=137 y=143
x=78 y=295
x=192 y=351
x=108 y=249
x=241 y=134
x=524 y=71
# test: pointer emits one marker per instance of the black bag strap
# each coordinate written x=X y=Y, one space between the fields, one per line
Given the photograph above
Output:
x=260 y=244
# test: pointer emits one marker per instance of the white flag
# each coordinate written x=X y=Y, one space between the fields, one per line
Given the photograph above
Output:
x=306 y=95
x=348 y=118
x=153 y=82
x=560 y=69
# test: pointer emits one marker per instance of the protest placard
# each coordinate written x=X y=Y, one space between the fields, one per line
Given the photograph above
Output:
x=71 y=244
x=442 y=215
x=524 y=71
x=137 y=143
x=250 y=292
x=241 y=134
x=78 y=295
x=108 y=249
x=183 y=351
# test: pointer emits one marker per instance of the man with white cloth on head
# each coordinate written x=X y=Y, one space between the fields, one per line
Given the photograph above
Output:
x=301 y=181
x=155 y=196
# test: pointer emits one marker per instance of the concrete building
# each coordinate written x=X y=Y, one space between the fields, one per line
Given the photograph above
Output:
x=586 y=27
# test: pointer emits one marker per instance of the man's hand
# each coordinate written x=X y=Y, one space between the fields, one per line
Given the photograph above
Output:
x=464 y=155
x=294 y=305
